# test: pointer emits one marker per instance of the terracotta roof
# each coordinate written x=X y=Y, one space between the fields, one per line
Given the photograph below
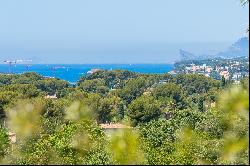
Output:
x=50 y=97
x=114 y=126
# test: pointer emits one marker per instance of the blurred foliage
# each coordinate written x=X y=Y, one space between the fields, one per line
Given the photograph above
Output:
x=24 y=120
x=125 y=148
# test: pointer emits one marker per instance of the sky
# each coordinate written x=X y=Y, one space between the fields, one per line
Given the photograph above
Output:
x=117 y=31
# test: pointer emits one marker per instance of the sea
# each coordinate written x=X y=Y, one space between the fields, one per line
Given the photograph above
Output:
x=73 y=72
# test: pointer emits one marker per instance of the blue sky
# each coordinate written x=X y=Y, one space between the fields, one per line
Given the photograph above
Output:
x=117 y=31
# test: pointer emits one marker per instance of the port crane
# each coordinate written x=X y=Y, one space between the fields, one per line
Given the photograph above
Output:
x=26 y=62
x=9 y=62
x=20 y=61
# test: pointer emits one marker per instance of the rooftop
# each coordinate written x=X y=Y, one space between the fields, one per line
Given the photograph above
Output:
x=51 y=97
x=114 y=126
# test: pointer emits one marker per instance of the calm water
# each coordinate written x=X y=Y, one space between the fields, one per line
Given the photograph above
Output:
x=72 y=73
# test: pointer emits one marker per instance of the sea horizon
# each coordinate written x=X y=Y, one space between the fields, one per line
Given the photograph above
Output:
x=73 y=72
x=89 y=63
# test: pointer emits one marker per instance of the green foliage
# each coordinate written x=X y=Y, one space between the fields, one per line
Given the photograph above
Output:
x=94 y=86
x=212 y=94
x=143 y=109
x=157 y=132
x=26 y=90
x=201 y=106
x=125 y=150
x=170 y=90
x=5 y=98
x=223 y=81
x=112 y=79
x=234 y=106
x=245 y=83
x=195 y=83
x=79 y=141
x=211 y=125
x=4 y=143
x=193 y=148
x=110 y=109
x=51 y=85
x=24 y=119
x=133 y=89
x=31 y=82
x=203 y=123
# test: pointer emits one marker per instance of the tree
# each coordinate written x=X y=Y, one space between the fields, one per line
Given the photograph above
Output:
x=143 y=109
x=129 y=153
x=7 y=97
x=94 y=86
x=4 y=143
x=133 y=89
x=51 y=85
x=245 y=83
x=223 y=81
x=201 y=106
x=25 y=90
x=66 y=130
x=112 y=79
x=170 y=90
x=109 y=109
x=195 y=83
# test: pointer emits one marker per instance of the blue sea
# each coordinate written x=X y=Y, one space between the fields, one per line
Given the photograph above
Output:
x=73 y=72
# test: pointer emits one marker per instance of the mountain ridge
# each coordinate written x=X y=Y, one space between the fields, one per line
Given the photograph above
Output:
x=238 y=49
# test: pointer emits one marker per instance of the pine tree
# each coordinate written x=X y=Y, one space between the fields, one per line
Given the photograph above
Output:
x=201 y=107
x=223 y=81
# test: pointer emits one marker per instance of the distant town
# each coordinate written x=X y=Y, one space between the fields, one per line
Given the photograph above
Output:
x=231 y=69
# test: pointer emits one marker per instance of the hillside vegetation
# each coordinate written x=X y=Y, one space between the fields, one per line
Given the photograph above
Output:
x=182 y=119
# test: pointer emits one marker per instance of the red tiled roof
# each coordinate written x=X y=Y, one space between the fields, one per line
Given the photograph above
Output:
x=114 y=126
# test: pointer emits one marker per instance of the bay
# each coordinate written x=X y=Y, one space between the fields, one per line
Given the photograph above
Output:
x=73 y=72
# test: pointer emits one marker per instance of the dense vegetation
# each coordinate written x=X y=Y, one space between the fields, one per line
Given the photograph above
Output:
x=182 y=119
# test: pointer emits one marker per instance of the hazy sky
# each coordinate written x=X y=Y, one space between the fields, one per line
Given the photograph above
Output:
x=117 y=31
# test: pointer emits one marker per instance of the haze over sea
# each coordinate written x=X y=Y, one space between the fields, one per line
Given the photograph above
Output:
x=73 y=72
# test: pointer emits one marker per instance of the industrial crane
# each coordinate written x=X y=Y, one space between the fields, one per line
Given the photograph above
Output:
x=9 y=62
x=21 y=61
x=25 y=62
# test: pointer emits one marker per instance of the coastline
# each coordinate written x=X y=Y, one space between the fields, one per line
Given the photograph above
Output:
x=73 y=72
